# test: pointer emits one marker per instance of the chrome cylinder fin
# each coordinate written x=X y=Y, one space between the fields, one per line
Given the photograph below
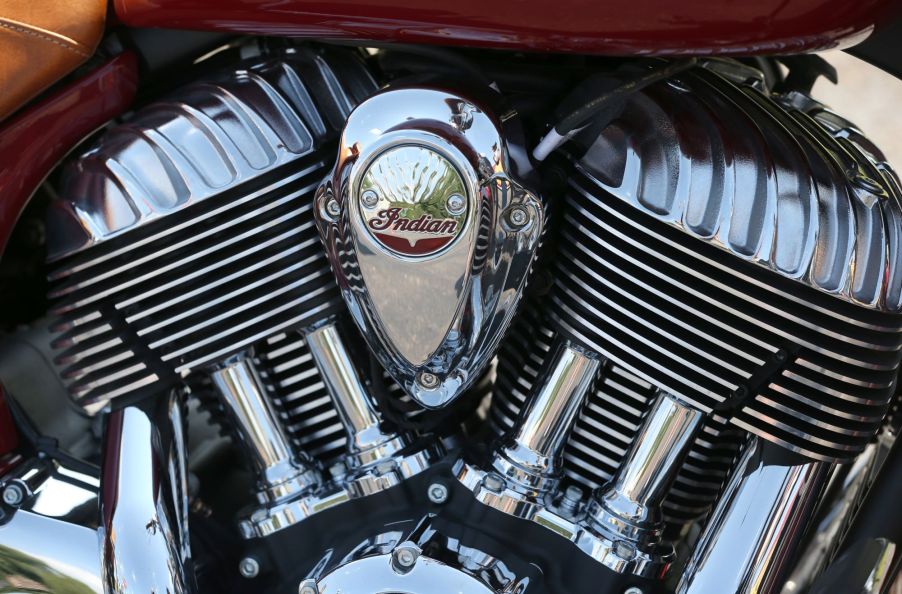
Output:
x=144 y=501
x=758 y=525
x=186 y=235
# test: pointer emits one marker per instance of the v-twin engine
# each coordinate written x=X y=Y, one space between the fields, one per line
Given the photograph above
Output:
x=460 y=352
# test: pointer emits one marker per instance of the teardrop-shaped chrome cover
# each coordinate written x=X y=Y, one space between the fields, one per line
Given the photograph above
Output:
x=431 y=235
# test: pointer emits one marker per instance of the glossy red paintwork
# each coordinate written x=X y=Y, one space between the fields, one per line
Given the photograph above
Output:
x=33 y=141
x=614 y=27
x=9 y=438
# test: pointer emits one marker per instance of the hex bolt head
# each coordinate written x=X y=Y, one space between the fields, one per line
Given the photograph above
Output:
x=493 y=483
x=249 y=568
x=438 y=493
x=573 y=494
x=517 y=216
x=338 y=470
x=405 y=557
x=13 y=494
x=333 y=209
x=456 y=204
x=369 y=199
x=428 y=380
x=308 y=587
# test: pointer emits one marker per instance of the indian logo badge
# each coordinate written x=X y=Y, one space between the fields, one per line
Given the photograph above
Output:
x=413 y=201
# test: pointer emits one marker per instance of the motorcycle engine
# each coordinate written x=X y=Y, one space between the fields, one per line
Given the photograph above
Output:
x=456 y=364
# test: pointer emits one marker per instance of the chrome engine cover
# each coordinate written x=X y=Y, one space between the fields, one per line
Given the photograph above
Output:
x=431 y=234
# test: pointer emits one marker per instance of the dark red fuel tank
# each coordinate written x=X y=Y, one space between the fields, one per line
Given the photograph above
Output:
x=613 y=27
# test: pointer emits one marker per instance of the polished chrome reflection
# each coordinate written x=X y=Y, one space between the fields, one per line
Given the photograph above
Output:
x=431 y=234
x=758 y=524
x=42 y=554
x=366 y=443
x=280 y=473
x=533 y=452
x=144 y=502
x=422 y=561
x=848 y=485
x=630 y=507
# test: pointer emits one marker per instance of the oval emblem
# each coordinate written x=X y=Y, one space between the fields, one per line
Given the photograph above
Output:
x=413 y=201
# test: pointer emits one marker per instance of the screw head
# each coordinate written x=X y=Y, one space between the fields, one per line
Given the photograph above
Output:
x=438 y=493
x=308 y=587
x=405 y=557
x=333 y=209
x=574 y=494
x=517 y=216
x=249 y=567
x=493 y=483
x=633 y=590
x=428 y=380
x=13 y=494
x=369 y=199
x=456 y=204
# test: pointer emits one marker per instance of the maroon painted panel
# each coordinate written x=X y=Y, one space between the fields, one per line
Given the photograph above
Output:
x=614 y=27
x=33 y=141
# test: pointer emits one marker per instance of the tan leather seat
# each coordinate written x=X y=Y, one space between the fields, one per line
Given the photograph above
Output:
x=41 y=41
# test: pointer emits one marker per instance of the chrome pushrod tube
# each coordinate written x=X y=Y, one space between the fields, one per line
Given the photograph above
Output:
x=367 y=443
x=758 y=524
x=281 y=473
x=536 y=445
x=144 y=501
x=630 y=506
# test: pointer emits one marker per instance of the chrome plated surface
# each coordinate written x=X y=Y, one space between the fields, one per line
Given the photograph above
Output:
x=432 y=306
x=206 y=138
x=279 y=471
x=609 y=422
x=42 y=554
x=366 y=443
x=752 y=273
x=395 y=562
x=820 y=210
x=144 y=501
x=630 y=507
x=758 y=524
x=848 y=485
x=48 y=540
x=532 y=454
x=186 y=235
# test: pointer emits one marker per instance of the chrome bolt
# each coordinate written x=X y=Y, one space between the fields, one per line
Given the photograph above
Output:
x=633 y=590
x=456 y=204
x=308 y=587
x=573 y=497
x=517 y=216
x=249 y=568
x=333 y=209
x=438 y=493
x=13 y=494
x=384 y=468
x=428 y=380
x=405 y=557
x=338 y=470
x=493 y=483
x=369 y=198
x=625 y=550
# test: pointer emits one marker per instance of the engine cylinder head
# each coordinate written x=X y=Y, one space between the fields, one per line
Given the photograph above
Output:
x=741 y=252
x=186 y=235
